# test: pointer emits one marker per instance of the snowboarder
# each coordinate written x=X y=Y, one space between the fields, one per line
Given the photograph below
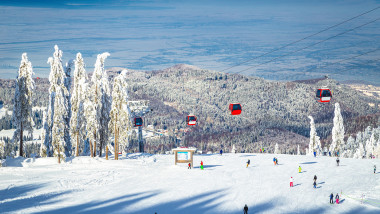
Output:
x=291 y=181
x=189 y=166
x=245 y=209
x=315 y=184
x=299 y=169
x=331 y=198
x=201 y=165
x=221 y=152
x=248 y=162
x=337 y=161
x=274 y=160
x=337 y=198
x=374 y=169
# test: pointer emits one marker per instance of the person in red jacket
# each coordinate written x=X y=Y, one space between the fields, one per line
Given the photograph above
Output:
x=202 y=165
x=189 y=166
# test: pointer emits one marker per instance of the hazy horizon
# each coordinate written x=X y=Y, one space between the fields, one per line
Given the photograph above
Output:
x=215 y=35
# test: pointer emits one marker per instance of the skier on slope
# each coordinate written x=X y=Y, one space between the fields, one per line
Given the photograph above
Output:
x=221 y=152
x=201 y=165
x=245 y=209
x=337 y=198
x=315 y=178
x=315 y=184
x=189 y=166
x=337 y=161
x=331 y=198
x=248 y=162
x=291 y=181
x=374 y=169
x=274 y=160
x=299 y=169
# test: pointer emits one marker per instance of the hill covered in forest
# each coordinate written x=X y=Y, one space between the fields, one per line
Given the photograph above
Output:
x=273 y=112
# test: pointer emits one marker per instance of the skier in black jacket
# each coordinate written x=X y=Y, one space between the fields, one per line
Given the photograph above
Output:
x=245 y=209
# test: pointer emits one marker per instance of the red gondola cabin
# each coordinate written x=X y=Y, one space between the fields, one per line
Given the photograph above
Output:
x=138 y=121
x=324 y=95
x=191 y=120
x=235 y=108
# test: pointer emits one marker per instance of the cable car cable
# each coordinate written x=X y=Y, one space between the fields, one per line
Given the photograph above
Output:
x=292 y=43
x=339 y=34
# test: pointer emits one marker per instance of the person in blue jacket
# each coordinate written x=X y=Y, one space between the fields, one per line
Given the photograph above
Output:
x=221 y=151
x=331 y=198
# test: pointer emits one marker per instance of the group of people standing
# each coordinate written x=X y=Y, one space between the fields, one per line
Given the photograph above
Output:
x=332 y=198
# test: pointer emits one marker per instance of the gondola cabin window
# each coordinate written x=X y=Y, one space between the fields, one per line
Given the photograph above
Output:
x=138 y=121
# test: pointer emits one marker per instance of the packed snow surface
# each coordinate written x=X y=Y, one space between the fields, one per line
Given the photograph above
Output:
x=143 y=183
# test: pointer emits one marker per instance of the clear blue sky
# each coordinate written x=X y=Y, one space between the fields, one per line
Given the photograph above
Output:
x=146 y=35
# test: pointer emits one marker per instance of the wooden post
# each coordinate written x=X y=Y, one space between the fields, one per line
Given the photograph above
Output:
x=59 y=156
x=77 y=149
x=176 y=157
x=95 y=144
x=91 y=148
x=106 y=152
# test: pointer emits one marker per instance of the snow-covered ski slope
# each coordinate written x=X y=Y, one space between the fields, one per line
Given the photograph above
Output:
x=142 y=183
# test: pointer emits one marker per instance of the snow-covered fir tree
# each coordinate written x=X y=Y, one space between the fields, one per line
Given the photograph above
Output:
x=67 y=96
x=276 y=149
x=120 y=123
x=337 y=131
x=22 y=109
x=98 y=87
x=359 y=153
x=91 y=120
x=370 y=146
x=57 y=80
x=349 y=148
x=233 y=149
x=77 y=121
x=43 y=148
x=105 y=102
x=2 y=149
x=58 y=129
x=314 y=143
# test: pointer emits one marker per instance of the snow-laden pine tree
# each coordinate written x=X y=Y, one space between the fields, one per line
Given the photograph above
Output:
x=22 y=109
x=120 y=124
x=276 y=149
x=67 y=96
x=298 y=150
x=57 y=80
x=233 y=148
x=43 y=149
x=91 y=120
x=314 y=142
x=370 y=146
x=359 y=153
x=337 y=131
x=106 y=102
x=97 y=91
x=2 y=150
x=77 y=121
x=349 y=148
x=58 y=129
